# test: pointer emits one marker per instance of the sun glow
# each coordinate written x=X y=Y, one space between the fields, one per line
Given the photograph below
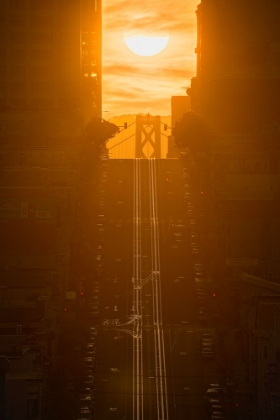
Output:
x=146 y=46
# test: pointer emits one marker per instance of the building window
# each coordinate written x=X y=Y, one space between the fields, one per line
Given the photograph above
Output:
x=32 y=408
x=17 y=20
x=3 y=102
x=255 y=351
x=265 y=352
x=18 y=71
x=17 y=4
x=257 y=167
x=18 y=54
x=3 y=125
x=255 y=320
x=277 y=322
x=270 y=275
x=228 y=229
x=44 y=103
x=41 y=21
x=3 y=87
x=41 y=38
x=18 y=37
x=18 y=103
x=232 y=167
x=2 y=37
x=12 y=176
x=247 y=166
x=18 y=87
x=265 y=166
x=41 y=4
x=254 y=374
x=42 y=55
x=41 y=71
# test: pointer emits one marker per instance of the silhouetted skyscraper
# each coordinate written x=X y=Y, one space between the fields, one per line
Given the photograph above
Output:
x=237 y=85
x=179 y=105
x=50 y=66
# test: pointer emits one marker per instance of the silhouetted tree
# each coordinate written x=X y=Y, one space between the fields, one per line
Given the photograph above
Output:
x=98 y=132
x=96 y=135
x=192 y=131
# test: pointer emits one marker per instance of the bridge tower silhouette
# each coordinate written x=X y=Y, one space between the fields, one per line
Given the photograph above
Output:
x=148 y=138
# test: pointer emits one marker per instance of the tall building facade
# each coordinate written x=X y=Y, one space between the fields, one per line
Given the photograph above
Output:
x=50 y=67
x=179 y=106
x=237 y=90
x=50 y=88
x=237 y=82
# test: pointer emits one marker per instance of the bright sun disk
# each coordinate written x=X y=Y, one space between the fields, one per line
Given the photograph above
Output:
x=146 y=46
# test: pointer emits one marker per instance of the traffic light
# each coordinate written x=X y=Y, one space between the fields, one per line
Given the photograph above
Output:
x=165 y=127
x=125 y=125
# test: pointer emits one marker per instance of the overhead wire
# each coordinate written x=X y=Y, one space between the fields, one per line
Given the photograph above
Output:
x=122 y=141
x=117 y=144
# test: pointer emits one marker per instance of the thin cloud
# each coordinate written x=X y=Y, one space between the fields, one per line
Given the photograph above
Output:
x=132 y=83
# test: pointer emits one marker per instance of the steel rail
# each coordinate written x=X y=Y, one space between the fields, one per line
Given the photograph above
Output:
x=161 y=339
x=160 y=364
x=137 y=298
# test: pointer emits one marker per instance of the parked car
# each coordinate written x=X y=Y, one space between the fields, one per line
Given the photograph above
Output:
x=115 y=370
x=94 y=314
x=207 y=342
x=207 y=335
x=202 y=314
x=218 y=387
x=211 y=403
x=202 y=298
x=212 y=394
x=217 y=416
x=85 y=412
x=207 y=353
x=216 y=408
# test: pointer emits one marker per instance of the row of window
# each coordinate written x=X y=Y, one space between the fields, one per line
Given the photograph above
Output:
x=33 y=70
x=58 y=178
x=32 y=4
x=70 y=74
x=20 y=20
x=276 y=321
x=19 y=103
x=39 y=37
x=242 y=166
x=44 y=4
x=23 y=126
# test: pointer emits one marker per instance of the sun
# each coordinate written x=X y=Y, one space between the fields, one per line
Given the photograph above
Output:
x=146 y=46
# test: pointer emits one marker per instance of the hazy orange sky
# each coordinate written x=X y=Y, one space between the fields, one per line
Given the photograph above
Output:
x=134 y=84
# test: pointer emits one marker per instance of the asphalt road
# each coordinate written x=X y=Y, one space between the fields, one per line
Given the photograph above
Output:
x=187 y=376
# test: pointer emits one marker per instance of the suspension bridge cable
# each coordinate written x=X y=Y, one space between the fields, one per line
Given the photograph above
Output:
x=115 y=145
